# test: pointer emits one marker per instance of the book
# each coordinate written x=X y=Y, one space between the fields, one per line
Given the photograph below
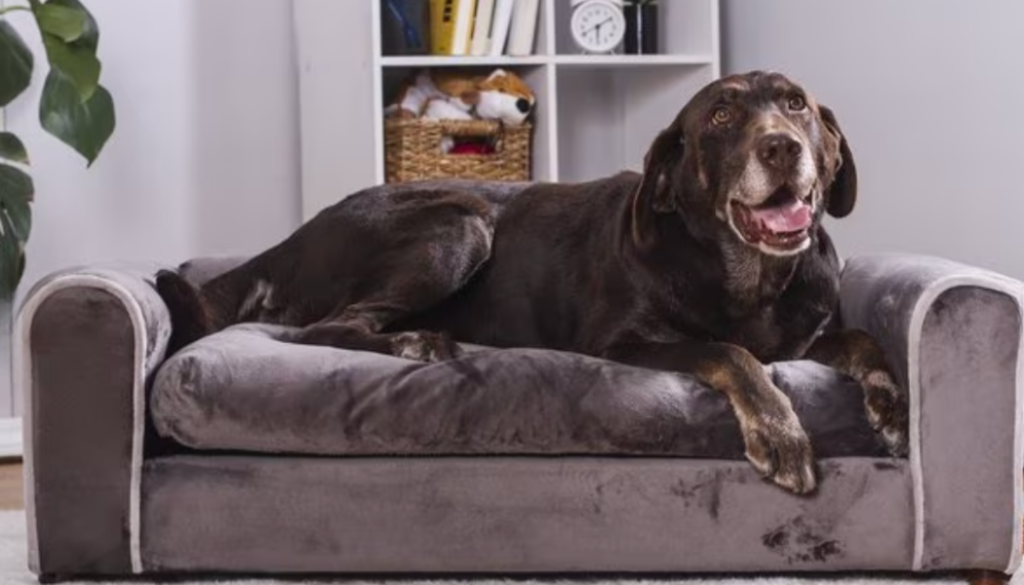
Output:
x=500 y=25
x=463 y=33
x=442 y=26
x=524 y=28
x=480 y=44
x=406 y=27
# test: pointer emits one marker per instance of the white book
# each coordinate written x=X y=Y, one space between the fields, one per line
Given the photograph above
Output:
x=463 y=26
x=524 y=28
x=500 y=26
x=482 y=28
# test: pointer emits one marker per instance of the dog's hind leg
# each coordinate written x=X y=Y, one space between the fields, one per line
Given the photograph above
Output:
x=427 y=346
x=432 y=263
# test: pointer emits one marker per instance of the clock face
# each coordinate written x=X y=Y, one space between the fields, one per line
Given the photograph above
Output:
x=598 y=26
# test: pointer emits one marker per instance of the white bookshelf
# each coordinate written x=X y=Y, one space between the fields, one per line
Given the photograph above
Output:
x=596 y=114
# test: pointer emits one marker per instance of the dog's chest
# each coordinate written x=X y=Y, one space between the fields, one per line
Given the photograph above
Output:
x=773 y=313
x=774 y=335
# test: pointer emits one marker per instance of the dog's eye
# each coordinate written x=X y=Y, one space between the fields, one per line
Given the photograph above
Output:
x=721 y=115
x=797 y=103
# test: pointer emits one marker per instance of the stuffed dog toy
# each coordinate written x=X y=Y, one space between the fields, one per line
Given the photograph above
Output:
x=449 y=94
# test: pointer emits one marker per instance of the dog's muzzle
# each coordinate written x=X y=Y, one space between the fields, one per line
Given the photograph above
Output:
x=771 y=206
x=781 y=224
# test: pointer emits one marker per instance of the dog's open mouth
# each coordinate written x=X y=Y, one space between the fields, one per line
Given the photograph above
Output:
x=781 y=223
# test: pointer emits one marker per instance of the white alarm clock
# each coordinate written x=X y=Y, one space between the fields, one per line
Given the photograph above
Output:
x=598 y=26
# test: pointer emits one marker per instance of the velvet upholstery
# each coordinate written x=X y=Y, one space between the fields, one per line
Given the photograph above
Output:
x=954 y=332
x=527 y=479
x=510 y=514
x=242 y=390
x=87 y=336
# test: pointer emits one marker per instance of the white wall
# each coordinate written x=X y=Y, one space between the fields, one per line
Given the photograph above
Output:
x=931 y=95
x=205 y=157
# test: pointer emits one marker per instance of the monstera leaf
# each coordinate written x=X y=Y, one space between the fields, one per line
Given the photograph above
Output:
x=11 y=148
x=16 y=190
x=15 y=64
x=67 y=23
x=74 y=108
x=85 y=126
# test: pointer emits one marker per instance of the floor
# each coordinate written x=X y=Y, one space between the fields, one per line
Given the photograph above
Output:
x=11 y=497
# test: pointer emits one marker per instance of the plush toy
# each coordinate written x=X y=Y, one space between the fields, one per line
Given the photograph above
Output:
x=451 y=94
x=441 y=108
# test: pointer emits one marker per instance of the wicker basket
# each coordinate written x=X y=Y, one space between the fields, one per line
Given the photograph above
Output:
x=413 y=150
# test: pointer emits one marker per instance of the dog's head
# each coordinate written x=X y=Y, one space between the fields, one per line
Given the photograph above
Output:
x=753 y=156
x=505 y=96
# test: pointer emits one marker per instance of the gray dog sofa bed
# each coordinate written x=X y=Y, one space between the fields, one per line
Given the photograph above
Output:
x=242 y=454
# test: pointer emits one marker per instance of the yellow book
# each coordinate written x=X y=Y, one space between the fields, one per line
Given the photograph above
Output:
x=442 y=26
x=451 y=26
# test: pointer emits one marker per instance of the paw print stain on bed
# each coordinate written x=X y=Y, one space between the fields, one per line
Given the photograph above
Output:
x=800 y=541
x=705 y=490
x=619 y=489
x=809 y=537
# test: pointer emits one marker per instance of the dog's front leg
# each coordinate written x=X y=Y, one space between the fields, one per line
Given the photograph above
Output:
x=776 y=443
x=856 y=354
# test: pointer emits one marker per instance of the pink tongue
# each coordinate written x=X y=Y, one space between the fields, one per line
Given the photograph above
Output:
x=792 y=217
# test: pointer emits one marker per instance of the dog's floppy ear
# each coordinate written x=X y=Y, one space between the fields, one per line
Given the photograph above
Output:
x=470 y=97
x=653 y=195
x=842 y=194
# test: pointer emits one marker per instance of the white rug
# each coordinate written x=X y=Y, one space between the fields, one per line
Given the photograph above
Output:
x=14 y=571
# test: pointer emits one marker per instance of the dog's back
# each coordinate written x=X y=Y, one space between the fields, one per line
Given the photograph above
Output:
x=336 y=254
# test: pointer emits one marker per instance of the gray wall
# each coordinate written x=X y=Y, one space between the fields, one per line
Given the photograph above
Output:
x=931 y=96
x=205 y=157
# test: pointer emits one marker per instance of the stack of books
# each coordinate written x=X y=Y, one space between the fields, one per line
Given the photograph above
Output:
x=483 y=28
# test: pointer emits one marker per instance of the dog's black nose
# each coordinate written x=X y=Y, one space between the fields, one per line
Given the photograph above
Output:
x=779 y=151
x=523 y=105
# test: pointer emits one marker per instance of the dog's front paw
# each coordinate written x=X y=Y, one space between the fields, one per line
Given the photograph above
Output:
x=424 y=346
x=778 y=447
x=888 y=411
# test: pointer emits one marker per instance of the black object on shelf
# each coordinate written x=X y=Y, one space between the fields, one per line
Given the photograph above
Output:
x=641 y=27
x=405 y=29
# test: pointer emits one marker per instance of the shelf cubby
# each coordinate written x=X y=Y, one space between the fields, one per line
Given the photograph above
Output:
x=595 y=115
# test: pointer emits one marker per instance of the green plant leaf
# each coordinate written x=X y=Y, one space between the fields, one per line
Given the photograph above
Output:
x=12 y=261
x=84 y=126
x=64 y=22
x=16 y=191
x=15 y=64
x=78 y=63
x=90 y=38
x=12 y=149
x=76 y=58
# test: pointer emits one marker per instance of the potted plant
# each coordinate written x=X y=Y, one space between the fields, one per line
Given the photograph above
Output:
x=641 y=27
x=73 y=107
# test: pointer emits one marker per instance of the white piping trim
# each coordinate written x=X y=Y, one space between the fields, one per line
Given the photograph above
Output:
x=23 y=375
x=921 y=307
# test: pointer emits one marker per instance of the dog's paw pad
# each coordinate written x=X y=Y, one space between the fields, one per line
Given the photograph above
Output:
x=888 y=411
x=781 y=452
x=424 y=346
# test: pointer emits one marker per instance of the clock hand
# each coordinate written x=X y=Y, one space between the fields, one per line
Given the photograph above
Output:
x=600 y=24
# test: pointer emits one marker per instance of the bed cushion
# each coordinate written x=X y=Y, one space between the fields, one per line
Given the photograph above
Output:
x=243 y=390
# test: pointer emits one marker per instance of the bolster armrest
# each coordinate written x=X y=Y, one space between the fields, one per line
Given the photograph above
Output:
x=953 y=334
x=88 y=340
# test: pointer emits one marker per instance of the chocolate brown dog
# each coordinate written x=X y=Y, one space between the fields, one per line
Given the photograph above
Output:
x=711 y=262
